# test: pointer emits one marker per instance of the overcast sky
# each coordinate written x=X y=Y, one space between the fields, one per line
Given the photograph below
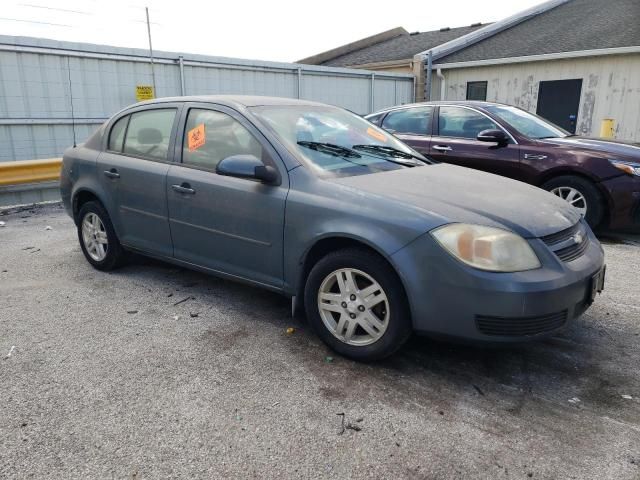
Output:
x=281 y=30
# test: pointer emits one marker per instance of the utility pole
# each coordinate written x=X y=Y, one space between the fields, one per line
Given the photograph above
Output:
x=153 y=73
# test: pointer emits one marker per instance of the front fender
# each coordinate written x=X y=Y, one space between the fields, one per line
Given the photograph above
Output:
x=308 y=223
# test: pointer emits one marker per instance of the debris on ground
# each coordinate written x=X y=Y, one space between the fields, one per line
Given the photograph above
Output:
x=477 y=388
x=290 y=331
x=275 y=404
x=13 y=347
x=132 y=311
x=574 y=400
x=194 y=314
x=2 y=224
x=627 y=397
x=34 y=251
x=176 y=317
x=347 y=425
x=48 y=227
x=185 y=299
x=28 y=248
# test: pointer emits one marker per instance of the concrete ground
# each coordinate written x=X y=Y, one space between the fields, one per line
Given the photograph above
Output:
x=103 y=376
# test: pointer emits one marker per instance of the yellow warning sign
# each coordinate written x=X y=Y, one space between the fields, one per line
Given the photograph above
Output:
x=196 y=137
x=144 y=92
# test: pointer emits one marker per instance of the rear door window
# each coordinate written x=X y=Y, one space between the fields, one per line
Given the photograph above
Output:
x=411 y=121
x=149 y=133
x=211 y=136
x=460 y=122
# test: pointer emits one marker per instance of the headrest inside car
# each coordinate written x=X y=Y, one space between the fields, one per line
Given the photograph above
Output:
x=149 y=136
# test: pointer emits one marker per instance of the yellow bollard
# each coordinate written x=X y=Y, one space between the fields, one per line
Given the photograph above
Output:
x=606 y=128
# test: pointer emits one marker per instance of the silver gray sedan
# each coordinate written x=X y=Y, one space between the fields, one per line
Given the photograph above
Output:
x=368 y=237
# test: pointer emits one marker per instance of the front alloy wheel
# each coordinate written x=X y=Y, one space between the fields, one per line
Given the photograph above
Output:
x=581 y=194
x=357 y=305
x=573 y=197
x=353 y=307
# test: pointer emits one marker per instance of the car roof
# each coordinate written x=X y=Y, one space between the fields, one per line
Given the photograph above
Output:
x=469 y=103
x=234 y=100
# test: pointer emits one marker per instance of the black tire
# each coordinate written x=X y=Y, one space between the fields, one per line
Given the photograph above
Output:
x=398 y=328
x=591 y=194
x=115 y=254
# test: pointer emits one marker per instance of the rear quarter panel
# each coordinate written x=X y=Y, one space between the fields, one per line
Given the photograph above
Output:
x=79 y=174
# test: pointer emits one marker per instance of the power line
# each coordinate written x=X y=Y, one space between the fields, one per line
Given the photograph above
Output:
x=53 y=8
x=34 y=21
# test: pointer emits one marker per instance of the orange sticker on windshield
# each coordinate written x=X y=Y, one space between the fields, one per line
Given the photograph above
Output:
x=376 y=134
x=196 y=137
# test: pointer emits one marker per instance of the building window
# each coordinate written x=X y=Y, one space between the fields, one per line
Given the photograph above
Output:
x=477 y=91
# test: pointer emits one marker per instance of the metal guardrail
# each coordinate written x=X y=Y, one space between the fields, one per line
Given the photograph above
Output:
x=29 y=181
x=30 y=171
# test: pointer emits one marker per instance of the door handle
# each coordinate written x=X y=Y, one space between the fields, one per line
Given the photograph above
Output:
x=184 y=188
x=113 y=173
x=442 y=148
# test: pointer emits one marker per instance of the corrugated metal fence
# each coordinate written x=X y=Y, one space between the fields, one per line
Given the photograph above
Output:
x=41 y=81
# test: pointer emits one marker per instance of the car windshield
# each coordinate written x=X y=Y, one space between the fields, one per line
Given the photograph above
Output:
x=526 y=123
x=335 y=142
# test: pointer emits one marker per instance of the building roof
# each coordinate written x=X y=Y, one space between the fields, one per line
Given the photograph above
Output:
x=401 y=46
x=572 y=26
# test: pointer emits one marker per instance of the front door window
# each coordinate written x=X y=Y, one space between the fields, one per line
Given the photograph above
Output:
x=212 y=136
x=457 y=122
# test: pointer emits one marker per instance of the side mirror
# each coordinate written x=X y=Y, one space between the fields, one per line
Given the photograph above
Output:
x=493 y=136
x=247 y=166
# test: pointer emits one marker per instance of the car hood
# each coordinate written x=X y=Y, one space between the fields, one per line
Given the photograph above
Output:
x=608 y=148
x=448 y=194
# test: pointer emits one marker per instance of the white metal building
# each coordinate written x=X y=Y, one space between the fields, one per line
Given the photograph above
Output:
x=577 y=64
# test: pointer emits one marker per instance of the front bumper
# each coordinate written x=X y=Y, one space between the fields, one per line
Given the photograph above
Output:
x=448 y=298
x=624 y=201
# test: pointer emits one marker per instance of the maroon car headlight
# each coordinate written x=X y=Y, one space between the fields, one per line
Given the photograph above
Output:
x=631 y=168
x=487 y=248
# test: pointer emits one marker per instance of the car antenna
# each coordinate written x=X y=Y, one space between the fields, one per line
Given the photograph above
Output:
x=73 y=117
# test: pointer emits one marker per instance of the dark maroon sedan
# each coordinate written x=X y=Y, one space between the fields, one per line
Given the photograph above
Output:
x=600 y=178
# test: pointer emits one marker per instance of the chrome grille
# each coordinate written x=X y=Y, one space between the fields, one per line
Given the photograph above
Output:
x=561 y=236
x=572 y=252
x=564 y=245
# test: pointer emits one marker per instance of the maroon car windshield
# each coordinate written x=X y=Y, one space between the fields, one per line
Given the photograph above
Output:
x=526 y=123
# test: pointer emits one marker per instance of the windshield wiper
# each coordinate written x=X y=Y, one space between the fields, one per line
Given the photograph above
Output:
x=330 y=149
x=392 y=154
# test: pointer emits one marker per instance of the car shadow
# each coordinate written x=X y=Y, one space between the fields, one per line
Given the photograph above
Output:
x=578 y=368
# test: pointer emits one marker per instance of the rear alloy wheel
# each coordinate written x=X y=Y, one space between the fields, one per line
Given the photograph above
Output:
x=355 y=302
x=97 y=237
x=94 y=237
x=581 y=194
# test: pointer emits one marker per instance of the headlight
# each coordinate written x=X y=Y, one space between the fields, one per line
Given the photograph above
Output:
x=487 y=248
x=631 y=168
